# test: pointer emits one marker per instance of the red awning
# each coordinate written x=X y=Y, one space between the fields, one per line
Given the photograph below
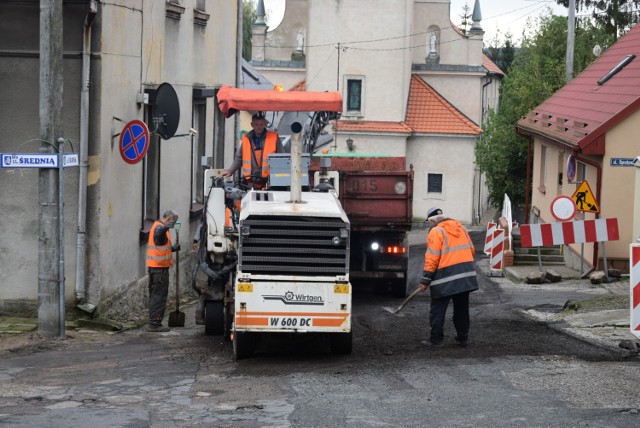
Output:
x=231 y=100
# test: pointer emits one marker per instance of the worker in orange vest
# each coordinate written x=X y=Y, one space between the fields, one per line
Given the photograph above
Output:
x=449 y=271
x=159 y=260
x=252 y=157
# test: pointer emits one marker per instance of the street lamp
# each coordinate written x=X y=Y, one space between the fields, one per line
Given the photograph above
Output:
x=350 y=144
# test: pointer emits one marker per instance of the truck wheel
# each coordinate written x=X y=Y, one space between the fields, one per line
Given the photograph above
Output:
x=244 y=344
x=213 y=318
x=341 y=343
x=399 y=288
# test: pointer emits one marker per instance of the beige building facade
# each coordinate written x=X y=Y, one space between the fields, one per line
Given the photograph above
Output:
x=135 y=47
x=593 y=120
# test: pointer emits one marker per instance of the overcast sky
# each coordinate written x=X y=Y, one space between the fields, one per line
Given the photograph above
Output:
x=505 y=16
x=502 y=15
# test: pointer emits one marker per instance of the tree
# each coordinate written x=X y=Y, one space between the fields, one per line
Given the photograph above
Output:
x=501 y=55
x=248 y=19
x=535 y=74
x=615 y=17
x=465 y=18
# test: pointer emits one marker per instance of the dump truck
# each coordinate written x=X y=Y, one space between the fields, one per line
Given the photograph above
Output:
x=376 y=192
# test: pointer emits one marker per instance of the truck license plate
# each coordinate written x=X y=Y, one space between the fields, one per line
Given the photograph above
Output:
x=290 y=322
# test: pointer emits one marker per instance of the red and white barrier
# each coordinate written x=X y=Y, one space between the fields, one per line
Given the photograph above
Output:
x=569 y=232
x=497 y=252
x=491 y=227
x=634 y=283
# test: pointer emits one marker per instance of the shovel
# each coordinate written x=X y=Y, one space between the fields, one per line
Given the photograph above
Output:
x=176 y=318
x=397 y=310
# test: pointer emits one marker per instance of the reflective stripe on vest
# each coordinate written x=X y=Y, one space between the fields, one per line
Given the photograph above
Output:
x=247 y=157
x=452 y=264
x=158 y=256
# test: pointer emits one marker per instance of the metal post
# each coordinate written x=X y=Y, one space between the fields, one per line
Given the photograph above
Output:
x=296 y=163
x=51 y=120
x=604 y=260
x=571 y=23
x=61 y=287
x=539 y=260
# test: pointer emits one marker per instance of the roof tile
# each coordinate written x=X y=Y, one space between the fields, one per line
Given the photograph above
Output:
x=429 y=112
x=583 y=101
x=491 y=66
x=372 y=126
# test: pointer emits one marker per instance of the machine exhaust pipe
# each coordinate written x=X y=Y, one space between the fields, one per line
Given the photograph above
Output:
x=296 y=163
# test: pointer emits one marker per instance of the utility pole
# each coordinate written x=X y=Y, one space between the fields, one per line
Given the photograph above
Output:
x=570 y=40
x=338 y=73
x=49 y=246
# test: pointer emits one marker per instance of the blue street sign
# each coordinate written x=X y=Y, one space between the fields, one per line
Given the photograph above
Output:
x=28 y=160
x=622 y=161
x=36 y=160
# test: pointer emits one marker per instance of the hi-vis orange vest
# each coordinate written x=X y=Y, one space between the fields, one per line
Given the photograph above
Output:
x=247 y=156
x=227 y=217
x=448 y=261
x=158 y=256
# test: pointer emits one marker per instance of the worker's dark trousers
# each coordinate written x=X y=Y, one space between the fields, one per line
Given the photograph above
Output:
x=460 y=317
x=158 y=290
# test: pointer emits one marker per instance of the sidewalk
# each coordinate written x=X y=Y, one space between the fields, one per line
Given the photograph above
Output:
x=595 y=313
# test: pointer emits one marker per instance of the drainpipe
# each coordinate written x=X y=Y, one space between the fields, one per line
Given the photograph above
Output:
x=484 y=86
x=482 y=121
x=528 y=181
x=598 y=168
x=84 y=151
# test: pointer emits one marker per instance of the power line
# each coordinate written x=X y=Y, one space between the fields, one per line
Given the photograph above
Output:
x=384 y=39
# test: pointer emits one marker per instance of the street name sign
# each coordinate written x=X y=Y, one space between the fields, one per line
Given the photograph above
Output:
x=29 y=160
x=36 y=160
x=621 y=161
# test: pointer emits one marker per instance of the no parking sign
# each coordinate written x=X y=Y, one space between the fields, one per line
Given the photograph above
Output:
x=134 y=141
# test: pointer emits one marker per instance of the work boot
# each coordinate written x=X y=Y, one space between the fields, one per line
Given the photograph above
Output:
x=430 y=344
x=157 y=328
x=200 y=311
x=462 y=343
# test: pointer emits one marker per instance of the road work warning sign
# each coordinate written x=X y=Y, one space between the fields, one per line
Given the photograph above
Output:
x=584 y=199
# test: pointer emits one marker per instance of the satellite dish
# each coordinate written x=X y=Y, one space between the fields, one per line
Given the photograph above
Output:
x=166 y=111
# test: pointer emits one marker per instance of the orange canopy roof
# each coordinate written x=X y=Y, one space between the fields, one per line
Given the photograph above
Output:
x=231 y=100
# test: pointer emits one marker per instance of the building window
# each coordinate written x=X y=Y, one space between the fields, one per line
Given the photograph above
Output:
x=174 y=9
x=200 y=16
x=355 y=95
x=581 y=172
x=543 y=169
x=198 y=152
x=434 y=185
x=150 y=180
x=560 y=172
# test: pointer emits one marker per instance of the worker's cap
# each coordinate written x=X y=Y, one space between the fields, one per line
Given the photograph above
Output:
x=258 y=116
x=433 y=211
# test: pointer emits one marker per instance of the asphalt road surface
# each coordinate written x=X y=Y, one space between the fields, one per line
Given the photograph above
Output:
x=515 y=372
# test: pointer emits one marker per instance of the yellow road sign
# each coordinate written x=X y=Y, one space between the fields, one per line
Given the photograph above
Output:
x=584 y=199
